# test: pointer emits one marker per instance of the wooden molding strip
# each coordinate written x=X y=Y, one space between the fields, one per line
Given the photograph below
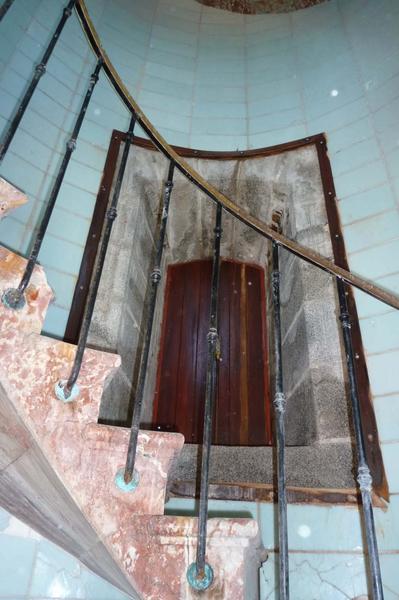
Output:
x=266 y=492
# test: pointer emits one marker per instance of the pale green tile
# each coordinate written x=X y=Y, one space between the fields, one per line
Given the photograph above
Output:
x=372 y=231
x=365 y=204
x=386 y=409
x=4 y=519
x=369 y=306
x=384 y=373
x=317 y=577
x=377 y=261
x=98 y=589
x=56 y=321
x=390 y=454
x=359 y=153
x=56 y=574
x=380 y=333
x=17 y=557
x=360 y=179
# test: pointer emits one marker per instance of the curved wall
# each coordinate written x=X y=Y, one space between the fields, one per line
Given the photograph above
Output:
x=209 y=79
x=215 y=80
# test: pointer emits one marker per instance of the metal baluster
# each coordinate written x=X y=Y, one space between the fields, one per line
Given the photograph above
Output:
x=14 y=297
x=200 y=573
x=69 y=390
x=4 y=8
x=127 y=479
x=279 y=404
x=40 y=69
x=364 y=478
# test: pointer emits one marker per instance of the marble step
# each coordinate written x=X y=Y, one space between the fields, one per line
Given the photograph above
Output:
x=58 y=468
x=57 y=473
x=38 y=294
x=159 y=569
x=10 y=198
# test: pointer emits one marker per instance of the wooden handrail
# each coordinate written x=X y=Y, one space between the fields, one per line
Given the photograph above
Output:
x=192 y=175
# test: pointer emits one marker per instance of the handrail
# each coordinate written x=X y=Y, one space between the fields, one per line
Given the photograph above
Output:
x=199 y=573
x=307 y=254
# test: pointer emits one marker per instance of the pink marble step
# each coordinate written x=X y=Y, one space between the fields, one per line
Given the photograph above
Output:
x=38 y=294
x=156 y=552
x=10 y=198
x=82 y=457
x=82 y=450
x=57 y=471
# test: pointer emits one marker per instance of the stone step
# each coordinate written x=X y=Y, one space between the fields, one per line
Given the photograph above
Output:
x=58 y=468
x=38 y=294
x=158 y=569
x=10 y=198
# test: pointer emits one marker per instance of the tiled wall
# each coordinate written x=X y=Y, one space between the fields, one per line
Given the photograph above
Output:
x=216 y=80
x=326 y=547
x=36 y=151
x=209 y=79
x=34 y=568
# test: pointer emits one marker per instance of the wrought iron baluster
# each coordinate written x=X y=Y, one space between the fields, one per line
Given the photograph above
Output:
x=364 y=478
x=40 y=69
x=200 y=573
x=14 y=297
x=279 y=404
x=68 y=390
x=127 y=479
x=4 y=8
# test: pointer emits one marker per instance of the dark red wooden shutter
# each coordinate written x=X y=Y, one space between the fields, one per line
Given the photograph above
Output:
x=242 y=411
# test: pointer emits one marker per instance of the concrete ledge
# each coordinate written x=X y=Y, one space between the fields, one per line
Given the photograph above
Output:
x=326 y=465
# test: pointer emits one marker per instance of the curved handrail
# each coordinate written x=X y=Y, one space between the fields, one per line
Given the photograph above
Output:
x=305 y=253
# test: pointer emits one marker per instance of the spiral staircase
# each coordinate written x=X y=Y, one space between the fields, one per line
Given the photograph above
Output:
x=60 y=471
x=58 y=465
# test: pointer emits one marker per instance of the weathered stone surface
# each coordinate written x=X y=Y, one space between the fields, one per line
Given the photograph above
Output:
x=38 y=294
x=301 y=282
x=331 y=404
x=295 y=352
x=119 y=317
x=326 y=464
x=117 y=387
x=253 y=7
x=301 y=416
x=10 y=198
x=287 y=182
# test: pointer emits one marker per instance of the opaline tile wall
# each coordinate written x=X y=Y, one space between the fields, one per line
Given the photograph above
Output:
x=216 y=80
x=208 y=79
x=326 y=547
x=34 y=568
x=37 y=149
